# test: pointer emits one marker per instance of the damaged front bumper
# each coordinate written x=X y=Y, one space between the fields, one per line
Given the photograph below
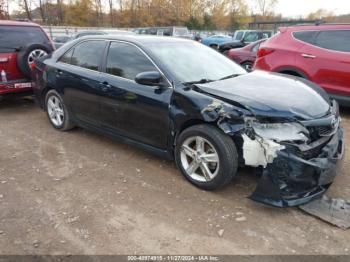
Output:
x=295 y=178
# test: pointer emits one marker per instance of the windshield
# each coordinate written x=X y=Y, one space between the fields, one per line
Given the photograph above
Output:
x=239 y=35
x=181 y=31
x=191 y=61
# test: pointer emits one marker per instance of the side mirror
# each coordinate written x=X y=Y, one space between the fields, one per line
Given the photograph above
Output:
x=151 y=78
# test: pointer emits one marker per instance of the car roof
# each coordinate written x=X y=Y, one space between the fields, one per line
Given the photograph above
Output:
x=16 y=23
x=139 y=39
x=316 y=27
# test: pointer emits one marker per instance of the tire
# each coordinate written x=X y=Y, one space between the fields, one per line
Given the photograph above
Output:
x=248 y=66
x=28 y=54
x=225 y=53
x=221 y=172
x=215 y=47
x=57 y=112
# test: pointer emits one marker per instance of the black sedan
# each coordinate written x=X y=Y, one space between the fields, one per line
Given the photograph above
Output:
x=182 y=100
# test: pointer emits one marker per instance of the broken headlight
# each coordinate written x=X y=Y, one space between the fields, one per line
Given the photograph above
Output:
x=281 y=131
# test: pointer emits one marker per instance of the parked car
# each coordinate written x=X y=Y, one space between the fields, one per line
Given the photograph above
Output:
x=175 y=31
x=215 y=40
x=319 y=53
x=60 y=40
x=245 y=56
x=211 y=117
x=249 y=37
x=58 y=44
x=20 y=44
x=239 y=34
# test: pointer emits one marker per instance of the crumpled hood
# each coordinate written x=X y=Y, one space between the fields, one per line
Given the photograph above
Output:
x=272 y=95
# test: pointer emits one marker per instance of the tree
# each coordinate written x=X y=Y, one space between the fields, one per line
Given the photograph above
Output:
x=208 y=22
x=266 y=7
x=3 y=9
x=321 y=14
x=193 y=24
x=27 y=9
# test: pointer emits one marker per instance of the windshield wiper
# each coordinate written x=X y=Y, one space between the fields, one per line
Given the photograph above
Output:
x=202 y=81
x=230 y=76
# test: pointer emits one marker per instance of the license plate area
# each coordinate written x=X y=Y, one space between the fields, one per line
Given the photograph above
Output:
x=22 y=85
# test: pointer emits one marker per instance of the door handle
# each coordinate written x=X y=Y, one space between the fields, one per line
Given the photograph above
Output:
x=105 y=86
x=59 y=72
x=308 y=56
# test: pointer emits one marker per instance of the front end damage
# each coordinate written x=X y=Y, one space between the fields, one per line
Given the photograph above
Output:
x=299 y=159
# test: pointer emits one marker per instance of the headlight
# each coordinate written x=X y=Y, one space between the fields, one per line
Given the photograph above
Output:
x=281 y=131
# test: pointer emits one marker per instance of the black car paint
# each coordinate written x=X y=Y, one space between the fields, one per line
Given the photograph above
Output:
x=152 y=118
x=238 y=44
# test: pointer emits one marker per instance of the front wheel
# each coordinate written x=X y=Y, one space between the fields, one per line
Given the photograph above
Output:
x=206 y=157
x=57 y=112
x=248 y=66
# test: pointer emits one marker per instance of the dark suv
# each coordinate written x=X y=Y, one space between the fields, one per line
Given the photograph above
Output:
x=249 y=38
x=20 y=44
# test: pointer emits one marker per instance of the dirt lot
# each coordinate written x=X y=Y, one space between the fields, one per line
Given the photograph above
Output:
x=81 y=193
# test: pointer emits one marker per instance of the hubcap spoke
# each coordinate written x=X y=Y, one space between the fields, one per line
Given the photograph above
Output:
x=206 y=171
x=211 y=157
x=199 y=144
x=192 y=167
x=188 y=151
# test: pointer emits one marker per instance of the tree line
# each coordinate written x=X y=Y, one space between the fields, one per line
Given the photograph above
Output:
x=195 y=14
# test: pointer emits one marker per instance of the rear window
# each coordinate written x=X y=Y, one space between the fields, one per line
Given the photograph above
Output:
x=306 y=36
x=19 y=36
x=338 y=40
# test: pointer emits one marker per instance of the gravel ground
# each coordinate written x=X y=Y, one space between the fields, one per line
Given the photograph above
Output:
x=80 y=193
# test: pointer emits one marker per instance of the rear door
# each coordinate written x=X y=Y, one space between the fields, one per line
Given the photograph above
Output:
x=327 y=60
x=79 y=78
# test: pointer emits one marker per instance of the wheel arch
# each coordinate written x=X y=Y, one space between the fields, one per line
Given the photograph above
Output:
x=292 y=71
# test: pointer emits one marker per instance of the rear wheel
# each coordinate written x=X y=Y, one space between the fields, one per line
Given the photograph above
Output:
x=206 y=157
x=57 y=112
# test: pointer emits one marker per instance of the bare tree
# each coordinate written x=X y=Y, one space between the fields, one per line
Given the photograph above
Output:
x=110 y=2
x=27 y=9
x=266 y=6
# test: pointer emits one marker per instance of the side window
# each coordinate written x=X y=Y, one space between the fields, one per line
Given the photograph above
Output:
x=251 y=37
x=256 y=47
x=306 y=36
x=66 y=58
x=337 y=40
x=127 y=61
x=88 y=54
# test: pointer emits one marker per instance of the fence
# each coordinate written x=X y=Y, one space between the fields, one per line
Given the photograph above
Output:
x=55 y=31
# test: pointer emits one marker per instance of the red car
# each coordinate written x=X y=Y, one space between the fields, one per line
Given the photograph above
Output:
x=245 y=56
x=320 y=53
x=20 y=44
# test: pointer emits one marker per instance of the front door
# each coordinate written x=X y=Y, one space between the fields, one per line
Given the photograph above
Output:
x=136 y=111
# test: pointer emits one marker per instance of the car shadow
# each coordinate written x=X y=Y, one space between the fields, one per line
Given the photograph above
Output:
x=13 y=102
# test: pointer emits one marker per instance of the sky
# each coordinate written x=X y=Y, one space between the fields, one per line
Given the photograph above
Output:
x=297 y=8
x=291 y=8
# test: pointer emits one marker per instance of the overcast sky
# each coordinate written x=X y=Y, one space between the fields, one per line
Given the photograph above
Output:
x=297 y=8
x=292 y=8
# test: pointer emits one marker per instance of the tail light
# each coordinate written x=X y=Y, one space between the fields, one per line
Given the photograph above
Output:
x=265 y=51
x=32 y=65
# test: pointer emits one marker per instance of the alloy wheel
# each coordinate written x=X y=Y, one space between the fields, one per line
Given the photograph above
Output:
x=199 y=159
x=36 y=53
x=55 y=110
